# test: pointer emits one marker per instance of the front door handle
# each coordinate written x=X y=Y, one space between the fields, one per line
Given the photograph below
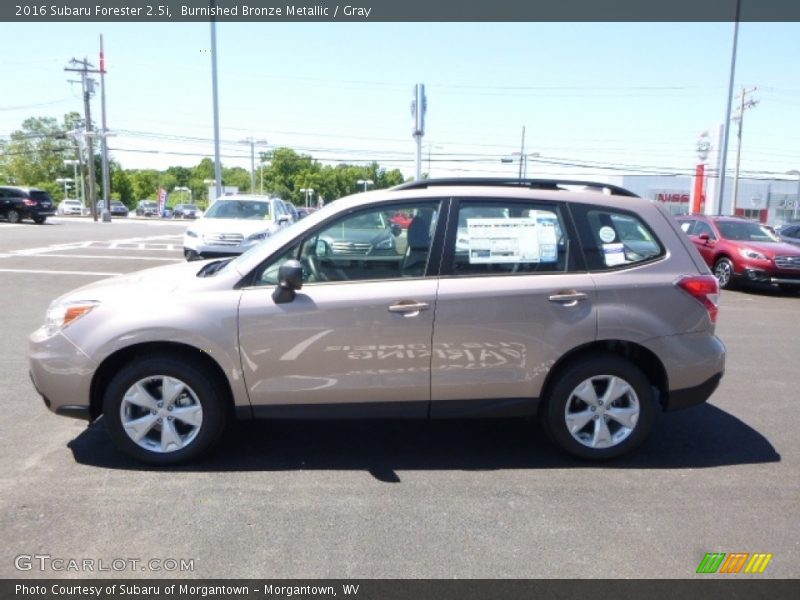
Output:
x=408 y=308
x=568 y=297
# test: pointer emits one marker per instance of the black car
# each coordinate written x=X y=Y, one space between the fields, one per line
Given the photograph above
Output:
x=118 y=209
x=185 y=211
x=17 y=203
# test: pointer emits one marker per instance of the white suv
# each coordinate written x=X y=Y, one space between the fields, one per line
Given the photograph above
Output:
x=234 y=224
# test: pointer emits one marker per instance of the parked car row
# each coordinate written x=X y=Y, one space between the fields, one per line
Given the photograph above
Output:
x=507 y=298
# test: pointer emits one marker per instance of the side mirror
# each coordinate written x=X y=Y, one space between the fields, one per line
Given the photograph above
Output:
x=290 y=279
x=705 y=237
x=322 y=248
x=283 y=219
x=396 y=229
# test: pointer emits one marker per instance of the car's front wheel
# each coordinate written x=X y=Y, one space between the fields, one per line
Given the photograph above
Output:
x=599 y=408
x=164 y=410
x=723 y=271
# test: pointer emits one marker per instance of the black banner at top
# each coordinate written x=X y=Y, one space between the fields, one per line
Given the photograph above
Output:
x=398 y=10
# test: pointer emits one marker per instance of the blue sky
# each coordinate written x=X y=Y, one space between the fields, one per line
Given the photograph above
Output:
x=633 y=95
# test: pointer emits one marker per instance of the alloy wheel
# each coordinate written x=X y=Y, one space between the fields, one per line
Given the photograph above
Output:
x=161 y=414
x=602 y=411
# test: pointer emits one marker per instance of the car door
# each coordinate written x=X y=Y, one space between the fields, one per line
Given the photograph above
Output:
x=512 y=300
x=706 y=246
x=356 y=339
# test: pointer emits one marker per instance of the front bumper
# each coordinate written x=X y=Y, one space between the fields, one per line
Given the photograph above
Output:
x=198 y=245
x=61 y=373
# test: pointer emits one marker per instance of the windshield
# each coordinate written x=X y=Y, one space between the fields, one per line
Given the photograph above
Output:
x=745 y=232
x=248 y=260
x=238 y=209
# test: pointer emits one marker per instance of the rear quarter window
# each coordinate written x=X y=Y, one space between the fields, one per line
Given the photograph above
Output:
x=614 y=239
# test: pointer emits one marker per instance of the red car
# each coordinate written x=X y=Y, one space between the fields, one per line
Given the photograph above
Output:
x=741 y=250
x=402 y=219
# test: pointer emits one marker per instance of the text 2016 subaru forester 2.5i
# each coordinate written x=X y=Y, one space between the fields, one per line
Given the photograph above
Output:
x=579 y=302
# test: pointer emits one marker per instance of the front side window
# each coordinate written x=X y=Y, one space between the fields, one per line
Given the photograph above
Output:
x=362 y=245
x=498 y=237
x=704 y=228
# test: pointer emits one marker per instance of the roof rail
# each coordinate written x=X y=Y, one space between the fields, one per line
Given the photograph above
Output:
x=535 y=184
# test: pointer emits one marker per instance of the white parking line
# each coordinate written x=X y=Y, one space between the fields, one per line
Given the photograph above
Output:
x=105 y=257
x=44 y=272
x=148 y=243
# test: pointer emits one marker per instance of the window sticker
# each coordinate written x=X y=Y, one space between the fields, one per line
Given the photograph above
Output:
x=614 y=254
x=515 y=240
x=607 y=234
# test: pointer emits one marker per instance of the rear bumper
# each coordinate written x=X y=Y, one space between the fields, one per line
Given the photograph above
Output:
x=680 y=399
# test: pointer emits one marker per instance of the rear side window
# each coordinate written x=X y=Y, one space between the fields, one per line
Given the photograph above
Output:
x=508 y=238
x=615 y=239
x=41 y=197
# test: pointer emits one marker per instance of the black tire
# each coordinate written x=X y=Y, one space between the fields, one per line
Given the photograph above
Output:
x=13 y=216
x=191 y=255
x=724 y=271
x=39 y=220
x=788 y=288
x=599 y=370
x=199 y=389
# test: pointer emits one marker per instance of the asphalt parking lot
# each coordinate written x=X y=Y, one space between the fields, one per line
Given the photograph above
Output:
x=483 y=499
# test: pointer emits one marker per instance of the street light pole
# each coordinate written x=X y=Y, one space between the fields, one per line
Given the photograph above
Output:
x=64 y=181
x=366 y=182
x=307 y=192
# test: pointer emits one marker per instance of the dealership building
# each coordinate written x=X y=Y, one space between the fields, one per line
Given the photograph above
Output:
x=772 y=201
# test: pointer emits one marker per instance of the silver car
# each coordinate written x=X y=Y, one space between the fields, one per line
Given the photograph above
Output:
x=501 y=298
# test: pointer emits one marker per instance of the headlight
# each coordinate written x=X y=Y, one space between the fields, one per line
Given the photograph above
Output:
x=261 y=235
x=62 y=314
x=752 y=254
x=386 y=244
x=191 y=233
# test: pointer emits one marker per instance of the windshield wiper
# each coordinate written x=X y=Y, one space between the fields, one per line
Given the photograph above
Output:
x=212 y=267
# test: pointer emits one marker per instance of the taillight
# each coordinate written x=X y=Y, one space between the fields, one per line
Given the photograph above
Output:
x=30 y=202
x=704 y=289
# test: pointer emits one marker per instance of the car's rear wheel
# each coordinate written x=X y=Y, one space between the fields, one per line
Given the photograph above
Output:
x=13 y=216
x=723 y=271
x=39 y=220
x=190 y=254
x=164 y=410
x=599 y=408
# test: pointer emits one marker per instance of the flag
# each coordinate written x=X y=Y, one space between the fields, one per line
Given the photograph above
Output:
x=162 y=200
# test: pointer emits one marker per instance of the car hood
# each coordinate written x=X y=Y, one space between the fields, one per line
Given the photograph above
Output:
x=244 y=226
x=146 y=284
x=772 y=248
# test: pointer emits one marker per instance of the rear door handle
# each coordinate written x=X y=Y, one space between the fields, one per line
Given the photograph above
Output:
x=568 y=297
x=408 y=308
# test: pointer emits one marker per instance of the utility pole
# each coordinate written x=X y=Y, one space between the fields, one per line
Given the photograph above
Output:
x=87 y=87
x=252 y=141
x=419 y=106
x=104 y=138
x=744 y=104
x=522 y=152
x=723 y=153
